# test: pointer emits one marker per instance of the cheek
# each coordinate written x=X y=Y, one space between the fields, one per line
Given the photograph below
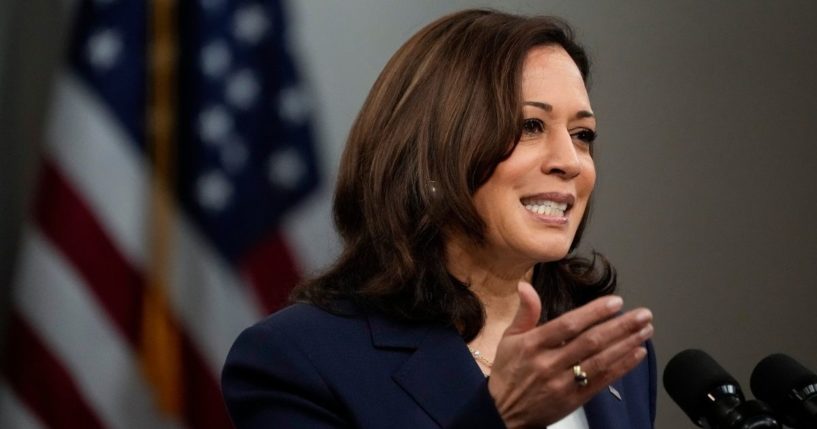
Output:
x=485 y=201
x=585 y=183
x=588 y=177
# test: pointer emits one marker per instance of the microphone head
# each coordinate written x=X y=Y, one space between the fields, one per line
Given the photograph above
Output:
x=690 y=376
x=776 y=377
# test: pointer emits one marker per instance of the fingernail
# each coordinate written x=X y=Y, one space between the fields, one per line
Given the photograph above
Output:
x=640 y=352
x=615 y=302
x=646 y=332
x=643 y=315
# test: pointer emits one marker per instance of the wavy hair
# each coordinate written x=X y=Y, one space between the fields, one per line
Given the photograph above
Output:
x=444 y=112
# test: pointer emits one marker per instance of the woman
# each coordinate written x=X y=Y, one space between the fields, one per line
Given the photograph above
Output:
x=457 y=301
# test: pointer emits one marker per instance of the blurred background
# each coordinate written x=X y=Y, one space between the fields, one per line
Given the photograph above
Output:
x=119 y=299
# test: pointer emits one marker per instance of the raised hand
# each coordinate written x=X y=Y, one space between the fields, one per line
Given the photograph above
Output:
x=532 y=380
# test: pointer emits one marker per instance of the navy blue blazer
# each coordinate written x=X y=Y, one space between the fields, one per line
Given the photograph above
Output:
x=305 y=368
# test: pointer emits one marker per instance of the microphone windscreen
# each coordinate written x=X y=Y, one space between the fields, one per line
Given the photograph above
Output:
x=690 y=376
x=777 y=375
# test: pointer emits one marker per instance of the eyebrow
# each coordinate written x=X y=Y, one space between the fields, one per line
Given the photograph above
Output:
x=581 y=114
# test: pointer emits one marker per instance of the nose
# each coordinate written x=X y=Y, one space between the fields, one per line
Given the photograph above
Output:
x=560 y=156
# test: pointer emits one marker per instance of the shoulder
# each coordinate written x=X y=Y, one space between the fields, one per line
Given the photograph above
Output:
x=306 y=367
x=282 y=365
x=304 y=316
x=298 y=330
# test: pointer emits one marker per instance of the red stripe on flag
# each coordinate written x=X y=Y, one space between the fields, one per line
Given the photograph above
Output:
x=271 y=270
x=40 y=380
x=70 y=224
x=73 y=228
x=203 y=404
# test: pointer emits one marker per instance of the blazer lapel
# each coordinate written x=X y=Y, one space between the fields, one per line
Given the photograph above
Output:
x=440 y=374
x=607 y=409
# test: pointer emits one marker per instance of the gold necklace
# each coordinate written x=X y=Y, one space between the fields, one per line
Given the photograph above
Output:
x=480 y=358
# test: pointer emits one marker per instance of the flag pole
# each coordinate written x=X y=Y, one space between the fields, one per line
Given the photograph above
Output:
x=160 y=339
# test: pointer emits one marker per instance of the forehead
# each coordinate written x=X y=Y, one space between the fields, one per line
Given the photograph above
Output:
x=549 y=58
x=549 y=71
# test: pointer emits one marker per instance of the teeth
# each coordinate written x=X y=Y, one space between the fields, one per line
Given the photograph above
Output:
x=547 y=208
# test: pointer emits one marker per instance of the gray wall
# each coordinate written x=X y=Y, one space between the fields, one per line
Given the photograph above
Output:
x=705 y=201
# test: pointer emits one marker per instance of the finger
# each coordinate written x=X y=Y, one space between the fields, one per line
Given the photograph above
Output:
x=603 y=364
x=571 y=324
x=530 y=308
x=598 y=380
x=605 y=335
x=616 y=368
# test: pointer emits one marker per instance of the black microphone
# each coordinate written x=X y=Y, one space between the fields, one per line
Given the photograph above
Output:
x=789 y=388
x=710 y=396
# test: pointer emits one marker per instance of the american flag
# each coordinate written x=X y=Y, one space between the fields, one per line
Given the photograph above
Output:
x=178 y=140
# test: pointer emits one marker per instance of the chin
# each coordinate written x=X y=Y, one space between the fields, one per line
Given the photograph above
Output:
x=551 y=254
x=549 y=248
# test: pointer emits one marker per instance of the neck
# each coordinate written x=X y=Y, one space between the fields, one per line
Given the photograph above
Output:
x=492 y=279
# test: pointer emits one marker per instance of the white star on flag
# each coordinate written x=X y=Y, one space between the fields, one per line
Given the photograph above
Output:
x=243 y=89
x=294 y=105
x=104 y=49
x=215 y=59
x=215 y=124
x=250 y=24
x=286 y=168
x=214 y=191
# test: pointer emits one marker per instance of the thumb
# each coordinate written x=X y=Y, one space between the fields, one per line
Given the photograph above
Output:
x=530 y=308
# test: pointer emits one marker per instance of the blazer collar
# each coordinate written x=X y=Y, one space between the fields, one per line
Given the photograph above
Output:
x=440 y=374
x=389 y=333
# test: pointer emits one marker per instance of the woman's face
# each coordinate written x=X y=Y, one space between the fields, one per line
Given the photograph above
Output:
x=534 y=201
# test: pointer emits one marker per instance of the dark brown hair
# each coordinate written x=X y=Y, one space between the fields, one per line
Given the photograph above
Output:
x=444 y=112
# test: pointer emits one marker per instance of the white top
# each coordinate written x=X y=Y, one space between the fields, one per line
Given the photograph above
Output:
x=575 y=420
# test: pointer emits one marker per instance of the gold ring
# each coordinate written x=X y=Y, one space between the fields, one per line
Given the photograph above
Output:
x=579 y=376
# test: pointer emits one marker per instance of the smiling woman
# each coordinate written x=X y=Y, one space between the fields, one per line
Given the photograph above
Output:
x=536 y=198
x=462 y=195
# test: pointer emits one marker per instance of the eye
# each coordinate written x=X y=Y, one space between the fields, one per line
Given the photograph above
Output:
x=585 y=136
x=532 y=127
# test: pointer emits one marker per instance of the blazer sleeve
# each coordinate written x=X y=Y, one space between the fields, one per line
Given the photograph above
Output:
x=653 y=374
x=268 y=381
